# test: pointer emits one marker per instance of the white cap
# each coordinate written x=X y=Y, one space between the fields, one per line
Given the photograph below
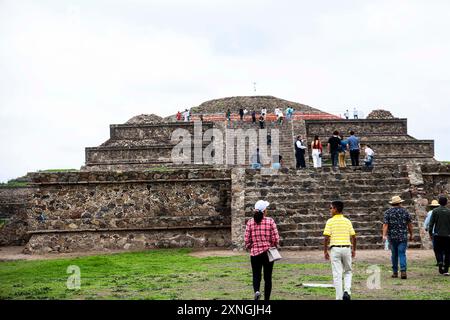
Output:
x=261 y=205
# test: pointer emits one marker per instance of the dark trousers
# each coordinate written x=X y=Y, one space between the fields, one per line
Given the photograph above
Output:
x=258 y=263
x=300 y=157
x=442 y=249
x=334 y=158
x=354 y=155
x=436 y=254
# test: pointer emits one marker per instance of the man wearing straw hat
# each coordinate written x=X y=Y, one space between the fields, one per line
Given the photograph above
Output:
x=397 y=224
x=434 y=204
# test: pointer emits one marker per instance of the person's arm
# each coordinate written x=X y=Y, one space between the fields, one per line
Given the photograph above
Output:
x=385 y=230
x=274 y=235
x=410 y=230
x=431 y=225
x=353 y=238
x=328 y=147
x=326 y=242
x=248 y=237
x=427 y=221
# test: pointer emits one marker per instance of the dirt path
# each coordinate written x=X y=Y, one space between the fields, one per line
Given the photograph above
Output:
x=369 y=256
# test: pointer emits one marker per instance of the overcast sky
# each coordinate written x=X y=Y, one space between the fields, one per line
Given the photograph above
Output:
x=68 y=69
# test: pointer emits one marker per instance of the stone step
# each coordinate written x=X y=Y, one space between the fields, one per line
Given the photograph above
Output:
x=373 y=200
x=360 y=241
x=330 y=189
x=321 y=217
x=302 y=184
x=359 y=246
x=363 y=231
x=319 y=225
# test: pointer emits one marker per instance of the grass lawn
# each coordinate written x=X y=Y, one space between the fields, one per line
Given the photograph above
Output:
x=174 y=274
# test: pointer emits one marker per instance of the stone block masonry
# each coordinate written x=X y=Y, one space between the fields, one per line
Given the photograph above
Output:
x=83 y=210
x=13 y=211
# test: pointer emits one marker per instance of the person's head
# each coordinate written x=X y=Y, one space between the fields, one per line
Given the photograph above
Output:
x=336 y=133
x=352 y=133
x=336 y=207
x=260 y=210
x=257 y=150
x=316 y=138
x=299 y=137
x=396 y=201
x=342 y=137
x=434 y=204
x=442 y=201
x=280 y=159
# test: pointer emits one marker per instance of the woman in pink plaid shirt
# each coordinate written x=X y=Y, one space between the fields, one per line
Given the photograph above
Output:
x=261 y=234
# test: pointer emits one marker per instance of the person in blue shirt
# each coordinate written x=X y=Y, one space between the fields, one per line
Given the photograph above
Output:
x=354 y=147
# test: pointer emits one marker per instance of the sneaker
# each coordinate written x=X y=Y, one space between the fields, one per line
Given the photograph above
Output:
x=346 y=296
x=446 y=274
x=441 y=269
x=257 y=295
x=403 y=275
x=394 y=275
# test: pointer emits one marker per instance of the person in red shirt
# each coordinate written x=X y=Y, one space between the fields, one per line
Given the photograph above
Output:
x=261 y=234
x=178 y=116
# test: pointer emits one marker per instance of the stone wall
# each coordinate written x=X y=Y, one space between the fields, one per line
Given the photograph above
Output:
x=13 y=206
x=436 y=179
x=158 y=133
x=361 y=127
x=299 y=202
x=162 y=207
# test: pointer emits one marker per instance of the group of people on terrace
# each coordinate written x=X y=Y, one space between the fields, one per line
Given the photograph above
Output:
x=337 y=148
x=261 y=235
x=261 y=117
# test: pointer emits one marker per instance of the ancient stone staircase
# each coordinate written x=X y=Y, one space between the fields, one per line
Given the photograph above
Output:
x=300 y=202
x=286 y=143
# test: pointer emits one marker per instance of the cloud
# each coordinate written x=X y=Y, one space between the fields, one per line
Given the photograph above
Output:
x=68 y=70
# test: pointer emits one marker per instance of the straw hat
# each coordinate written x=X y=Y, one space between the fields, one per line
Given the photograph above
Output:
x=396 y=200
x=434 y=203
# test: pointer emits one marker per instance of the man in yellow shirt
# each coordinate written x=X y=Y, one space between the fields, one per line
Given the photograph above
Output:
x=340 y=238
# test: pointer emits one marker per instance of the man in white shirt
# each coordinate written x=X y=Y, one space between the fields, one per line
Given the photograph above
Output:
x=263 y=112
x=277 y=111
x=369 y=156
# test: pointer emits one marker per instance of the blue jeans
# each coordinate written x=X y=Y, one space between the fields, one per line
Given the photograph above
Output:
x=398 y=250
x=334 y=158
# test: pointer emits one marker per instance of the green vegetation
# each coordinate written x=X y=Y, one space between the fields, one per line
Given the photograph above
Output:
x=2 y=222
x=14 y=184
x=58 y=170
x=174 y=274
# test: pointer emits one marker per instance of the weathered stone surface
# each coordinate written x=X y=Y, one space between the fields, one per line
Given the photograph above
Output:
x=380 y=114
x=145 y=118
x=13 y=206
x=251 y=103
x=135 y=240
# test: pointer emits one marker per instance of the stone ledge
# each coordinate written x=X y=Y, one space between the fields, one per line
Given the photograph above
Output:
x=356 y=120
x=130 y=181
x=129 y=229
x=161 y=124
